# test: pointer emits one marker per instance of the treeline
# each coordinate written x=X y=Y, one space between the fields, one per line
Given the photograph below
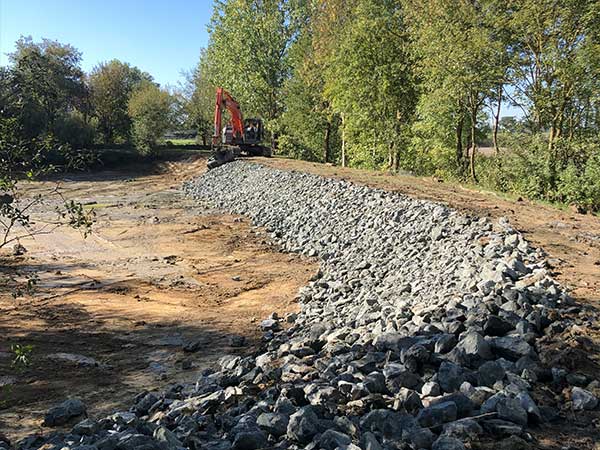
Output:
x=50 y=109
x=420 y=86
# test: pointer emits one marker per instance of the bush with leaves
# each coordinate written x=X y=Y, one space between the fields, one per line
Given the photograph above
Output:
x=151 y=112
x=530 y=168
x=23 y=159
x=73 y=129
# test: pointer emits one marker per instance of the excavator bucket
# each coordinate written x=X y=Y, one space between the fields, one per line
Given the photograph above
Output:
x=222 y=155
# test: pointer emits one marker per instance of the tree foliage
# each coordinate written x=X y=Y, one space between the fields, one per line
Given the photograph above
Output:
x=421 y=85
x=417 y=85
x=47 y=85
x=200 y=100
x=247 y=52
x=111 y=85
x=151 y=111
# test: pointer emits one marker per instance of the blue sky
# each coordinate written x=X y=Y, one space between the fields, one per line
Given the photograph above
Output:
x=162 y=37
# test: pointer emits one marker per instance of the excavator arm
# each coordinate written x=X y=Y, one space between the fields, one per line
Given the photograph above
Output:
x=226 y=101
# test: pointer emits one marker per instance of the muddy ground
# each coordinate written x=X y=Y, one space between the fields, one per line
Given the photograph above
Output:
x=160 y=272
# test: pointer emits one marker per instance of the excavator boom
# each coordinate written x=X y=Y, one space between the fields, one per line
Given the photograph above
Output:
x=226 y=101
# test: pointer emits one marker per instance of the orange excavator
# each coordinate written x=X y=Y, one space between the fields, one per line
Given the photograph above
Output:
x=239 y=137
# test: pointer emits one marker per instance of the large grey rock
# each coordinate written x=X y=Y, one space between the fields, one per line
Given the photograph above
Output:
x=368 y=441
x=86 y=427
x=250 y=439
x=145 y=403
x=510 y=409
x=582 y=399
x=388 y=423
x=447 y=443
x=163 y=434
x=421 y=437
x=303 y=425
x=331 y=439
x=464 y=430
x=64 y=413
x=133 y=441
x=496 y=326
x=437 y=414
x=512 y=347
x=474 y=348
x=533 y=412
x=270 y=325
x=489 y=373
x=273 y=423
x=450 y=376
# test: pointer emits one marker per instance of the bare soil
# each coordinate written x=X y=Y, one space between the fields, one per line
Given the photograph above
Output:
x=158 y=272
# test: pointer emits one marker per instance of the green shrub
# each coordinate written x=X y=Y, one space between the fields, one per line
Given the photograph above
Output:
x=569 y=174
x=290 y=146
x=570 y=188
x=591 y=176
x=72 y=129
x=151 y=111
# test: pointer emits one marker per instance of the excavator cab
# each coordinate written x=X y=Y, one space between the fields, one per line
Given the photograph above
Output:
x=253 y=131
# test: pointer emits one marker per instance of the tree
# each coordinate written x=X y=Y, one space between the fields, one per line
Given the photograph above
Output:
x=151 y=112
x=308 y=124
x=557 y=61
x=459 y=66
x=200 y=100
x=111 y=85
x=370 y=81
x=25 y=158
x=247 y=52
x=48 y=84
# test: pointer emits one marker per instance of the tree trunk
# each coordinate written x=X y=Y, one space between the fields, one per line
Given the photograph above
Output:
x=343 y=143
x=497 y=122
x=459 y=147
x=396 y=158
x=373 y=146
x=554 y=134
x=326 y=143
x=473 y=144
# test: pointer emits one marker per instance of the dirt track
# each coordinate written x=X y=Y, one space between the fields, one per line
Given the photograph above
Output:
x=159 y=272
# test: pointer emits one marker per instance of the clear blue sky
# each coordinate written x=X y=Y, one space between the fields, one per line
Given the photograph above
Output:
x=162 y=37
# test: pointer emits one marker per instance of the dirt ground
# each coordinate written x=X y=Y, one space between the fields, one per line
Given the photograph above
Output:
x=158 y=272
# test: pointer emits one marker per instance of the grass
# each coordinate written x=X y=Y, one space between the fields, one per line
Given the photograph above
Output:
x=182 y=141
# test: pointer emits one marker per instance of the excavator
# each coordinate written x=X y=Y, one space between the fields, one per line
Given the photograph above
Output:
x=239 y=137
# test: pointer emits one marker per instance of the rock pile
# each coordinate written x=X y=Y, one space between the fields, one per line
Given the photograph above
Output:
x=418 y=332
